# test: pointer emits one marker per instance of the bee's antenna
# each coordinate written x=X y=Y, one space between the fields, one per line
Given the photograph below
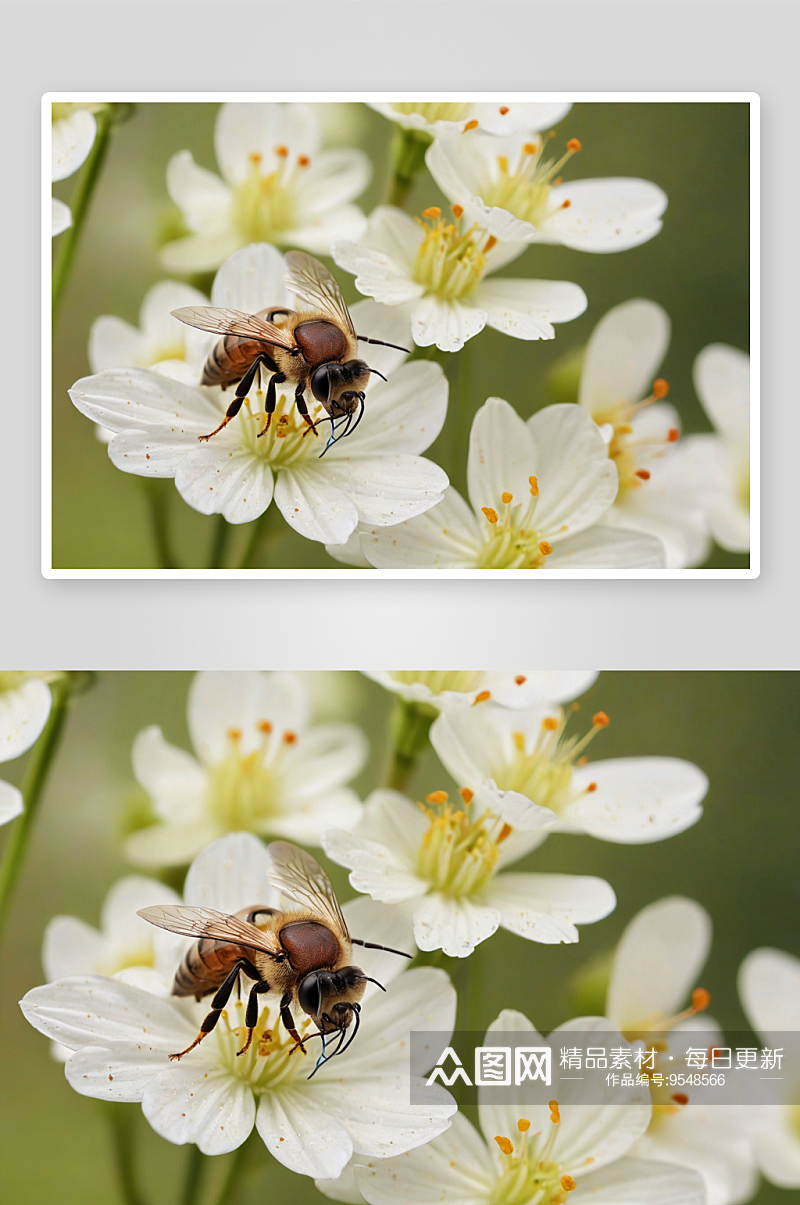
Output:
x=368 y=979
x=383 y=343
x=370 y=945
x=357 y=1014
x=377 y=373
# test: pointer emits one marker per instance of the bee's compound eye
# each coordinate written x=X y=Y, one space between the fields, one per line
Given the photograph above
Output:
x=321 y=383
x=309 y=995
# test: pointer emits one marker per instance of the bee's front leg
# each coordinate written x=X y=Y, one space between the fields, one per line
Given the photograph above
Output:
x=288 y=1023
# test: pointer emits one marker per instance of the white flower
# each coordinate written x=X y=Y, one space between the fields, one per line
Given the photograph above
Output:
x=520 y=762
x=769 y=989
x=259 y=767
x=538 y=492
x=660 y=490
x=376 y=476
x=656 y=964
x=441 y=117
x=278 y=186
x=73 y=134
x=122 y=1035
x=447 y=688
x=512 y=189
x=24 y=708
x=533 y=1153
x=435 y=270
x=441 y=862
x=722 y=381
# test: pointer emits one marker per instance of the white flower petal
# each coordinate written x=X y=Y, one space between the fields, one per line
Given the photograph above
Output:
x=187 y=1103
x=377 y=274
x=608 y=548
x=23 y=715
x=778 y=1147
x=388 y=488
x=301 y=1135
x=383 y=925
x=91 y=1011
x=642 y=1182
x=73 y=138
x=538 y=685
x=547 y=907
x=711 y=1141
x=374 y=868
x=393 y=234
x=221 y=701
x=519 y=115
x=200 y=252
x=156 y=322
x=119 y=1072
x=456 y=926
x=343 y=1188
x=577 y=480
x=378 y=1117
x=304 y=822
x=314 y=506
x=448 y=324
x=230 y=874
x=636 y=799
x=527 y=309
x=125 y=399
x=203 y=198
x=328 y=755
x=722 y=381
x=623 y=355
x=350 y=552
x=769 y=988
x=170 y=844
x=319 y=234
x=11 y=802
x=244 y=130
x=172 y=777
x=502 y=456
x=420 y=1000
x=121 y=926
x=386 y=322
x=444 y=537
x=251 y=280
x=70 y=947
x=604 y=215
x=61 y=217
x=113 y=344
x=657 y=961
x=332 y=179
x=402 y=415
x=454 y=1169
x=216 y=480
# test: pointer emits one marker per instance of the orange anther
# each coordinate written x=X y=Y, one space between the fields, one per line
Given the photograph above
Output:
x=566 y=204
x=600 y=720
x=471 y=125
x=530 y=148
x=506 y=1146
x=550 y=724
x=303 y=160
x=559 y=180
x=573 y=145
x=433 y=211
x=505 y=831
x=506 y=497
x=467 y=795
x=482 y=696
x=555 y=1116
x=490 y=242
x=458 y=210
x=534 y=484
x=503 y=110
x=436 y=797
x=700 y=999
x=264 y=726
x=660 y=387
x=282 y=152
x=523 y=1125
x=643 y=474
x=520 y=679
x=255 y=158
x=491 y=515
x=567 y=1183
x=545 y=548
x=235 y=734
x=582 y=760
x=672 y=435
x=290 y=738
x=591 y=787
x=680 y=1098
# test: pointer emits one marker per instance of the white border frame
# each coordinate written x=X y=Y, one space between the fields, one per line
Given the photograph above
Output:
x=750 y=98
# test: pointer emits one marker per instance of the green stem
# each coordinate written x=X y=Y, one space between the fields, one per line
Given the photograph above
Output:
x=410 y=727
x=33 y=783
x=121 y=1120
x=195 y=1166
x=80 y=202
x=266 y=532
x=408 y=160
x=158 y=493
x=233 y=1175
x=458 y=407
x=222 y=532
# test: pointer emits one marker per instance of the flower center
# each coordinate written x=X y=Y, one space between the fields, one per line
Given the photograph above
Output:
x=458 y=855
x=244 y=790
x=450 y=263
x=452 y=111
x=666 y=1102
x=269 y=1060
x=530 y=1176
x=626 y=452
x=286 y=440
x=438 y=681
x=511 y=541
x=525 y=191
x=264 y=204
x=543 y=772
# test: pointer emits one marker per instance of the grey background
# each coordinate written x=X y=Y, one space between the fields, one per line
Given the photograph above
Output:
x=645 y=46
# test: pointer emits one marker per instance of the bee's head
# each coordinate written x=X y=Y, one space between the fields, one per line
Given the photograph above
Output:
x=340 y=387
x=328 y=996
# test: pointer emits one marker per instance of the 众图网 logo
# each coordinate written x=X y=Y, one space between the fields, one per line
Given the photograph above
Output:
x=495 y=1066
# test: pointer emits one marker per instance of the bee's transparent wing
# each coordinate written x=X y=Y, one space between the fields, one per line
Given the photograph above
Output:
x=206 y=922
x=311 y=280
x=232 y=322
x=298 y=875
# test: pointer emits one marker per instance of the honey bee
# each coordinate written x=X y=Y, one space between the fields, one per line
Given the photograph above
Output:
x=304 y=954
x=314 y=349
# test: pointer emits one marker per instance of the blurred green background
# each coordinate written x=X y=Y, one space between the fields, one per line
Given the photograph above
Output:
x=740 y=861
x=697 y=268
